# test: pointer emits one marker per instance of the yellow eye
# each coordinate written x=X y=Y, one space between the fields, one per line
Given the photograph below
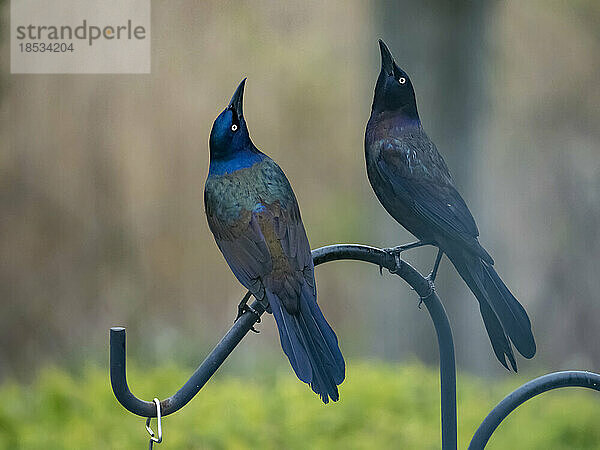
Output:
x=234 y=127
x=402 y=80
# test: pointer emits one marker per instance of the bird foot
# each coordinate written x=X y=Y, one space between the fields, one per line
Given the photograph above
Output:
x=242 y=309
x=396 y=254
x=429 y=279
x=396 y=251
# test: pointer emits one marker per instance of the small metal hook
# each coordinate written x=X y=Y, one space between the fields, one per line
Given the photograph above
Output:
x=153 y=438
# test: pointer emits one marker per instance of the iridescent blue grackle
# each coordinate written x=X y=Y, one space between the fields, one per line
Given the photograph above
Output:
x=254 y=216
x=412 y=182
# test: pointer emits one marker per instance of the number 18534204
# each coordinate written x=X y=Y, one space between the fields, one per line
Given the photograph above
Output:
x=41 y=47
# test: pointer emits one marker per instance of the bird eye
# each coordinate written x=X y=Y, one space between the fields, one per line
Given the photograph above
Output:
x=402 y=80
x=234 y=127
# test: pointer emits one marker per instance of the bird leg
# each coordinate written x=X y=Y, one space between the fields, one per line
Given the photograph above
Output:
x=396 y=251
x=401 y=248
x=243 y=307
x=436 y=265
x=429 y=294
x=431 y=277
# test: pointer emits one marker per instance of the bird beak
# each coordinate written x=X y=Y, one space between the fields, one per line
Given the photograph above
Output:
x=387 y=60
x=237 y=100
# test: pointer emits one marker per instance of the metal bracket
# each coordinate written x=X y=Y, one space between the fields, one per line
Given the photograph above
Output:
x=428 y=295
x=555 y=380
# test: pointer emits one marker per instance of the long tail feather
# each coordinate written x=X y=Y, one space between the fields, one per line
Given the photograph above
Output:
x=500 y=343
x=310 y=345
x=503 y=315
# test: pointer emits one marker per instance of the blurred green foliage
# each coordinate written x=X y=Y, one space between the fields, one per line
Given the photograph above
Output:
x=382 y=406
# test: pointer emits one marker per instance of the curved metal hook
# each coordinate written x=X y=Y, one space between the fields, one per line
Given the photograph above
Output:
x=436 y=311
x=239 y=329
x=444 y=335
x=118 y=376
x=569 y=378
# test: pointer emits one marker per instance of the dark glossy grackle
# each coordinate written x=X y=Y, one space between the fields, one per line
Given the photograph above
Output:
x=254 y=216
x=412 y=182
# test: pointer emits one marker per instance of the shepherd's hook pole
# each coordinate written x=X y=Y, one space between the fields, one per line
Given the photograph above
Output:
x=241 y=327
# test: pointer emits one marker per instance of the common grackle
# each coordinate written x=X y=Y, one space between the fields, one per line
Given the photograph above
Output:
x=412 y=182
x=254 y=217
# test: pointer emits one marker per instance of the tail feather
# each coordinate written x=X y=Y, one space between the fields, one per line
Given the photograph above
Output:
x=515 y=314
x=310 y=344
x=326 y=337
x=322 y=382
x=290 y=341
x=503 y=315
x=500 y=343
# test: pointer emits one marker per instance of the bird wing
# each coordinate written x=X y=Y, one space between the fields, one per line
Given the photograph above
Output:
x=293 y=265
x=421 y=180
x=268 y=247
x=244 y=248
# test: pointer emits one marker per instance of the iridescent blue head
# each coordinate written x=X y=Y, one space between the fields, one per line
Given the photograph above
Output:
x=229 y=132
x=230 y=145
x=394 y=90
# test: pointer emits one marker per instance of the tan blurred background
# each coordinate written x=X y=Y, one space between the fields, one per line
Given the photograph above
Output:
x=101 y=178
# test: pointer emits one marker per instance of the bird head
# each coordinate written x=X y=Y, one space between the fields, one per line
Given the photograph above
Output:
x=394 y=90
x=229 y=132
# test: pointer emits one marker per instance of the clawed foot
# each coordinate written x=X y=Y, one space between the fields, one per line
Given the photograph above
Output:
x=243 y=307
x=429 y=279
x=397 y=259
x=395 y=252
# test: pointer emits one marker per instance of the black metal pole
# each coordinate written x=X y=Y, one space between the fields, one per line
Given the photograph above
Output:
x=325 y=254
x=209 y=366
x=570 y=378
x=436 y=311
x=447 y=371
